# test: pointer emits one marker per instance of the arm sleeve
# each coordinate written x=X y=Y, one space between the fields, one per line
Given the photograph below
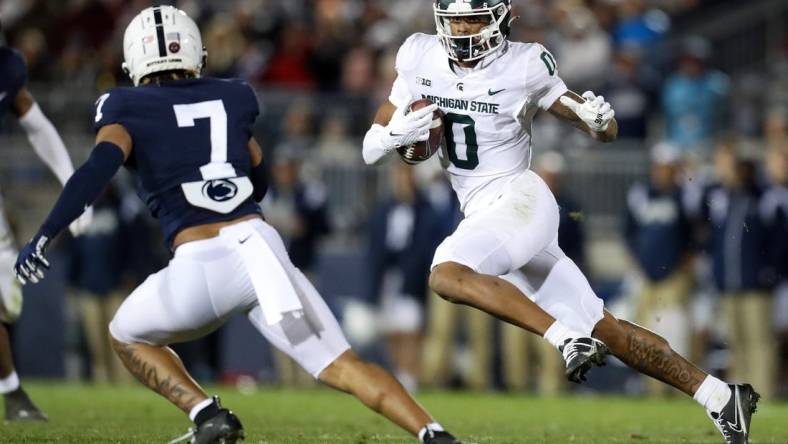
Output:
x=373 y=150
x=542 y=83
x=47 y=143
x=84 y=186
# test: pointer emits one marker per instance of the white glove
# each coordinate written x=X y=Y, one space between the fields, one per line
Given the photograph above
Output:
x=80 y=226
x=595 y=112
x=406 y=129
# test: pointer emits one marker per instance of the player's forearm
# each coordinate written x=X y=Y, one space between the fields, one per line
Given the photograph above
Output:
x=47 y=143
x=83 y=188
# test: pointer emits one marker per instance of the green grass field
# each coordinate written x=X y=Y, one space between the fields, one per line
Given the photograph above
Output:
x=88 y=414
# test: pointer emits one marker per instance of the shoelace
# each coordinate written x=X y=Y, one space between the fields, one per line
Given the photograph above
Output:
x=573 y=349
x=186 y=436
x=726 y=433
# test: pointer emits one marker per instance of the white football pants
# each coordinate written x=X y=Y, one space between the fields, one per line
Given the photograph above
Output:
x=245 y=269
x=516 y=238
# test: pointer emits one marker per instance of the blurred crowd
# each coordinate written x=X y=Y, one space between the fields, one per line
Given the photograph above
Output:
x=334 y=59
x=706 y=228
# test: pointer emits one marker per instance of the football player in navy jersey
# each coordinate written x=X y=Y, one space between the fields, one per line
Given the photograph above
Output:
x=16 y=99
x=189 y=141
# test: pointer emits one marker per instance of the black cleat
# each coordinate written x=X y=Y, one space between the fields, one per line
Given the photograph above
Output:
x=734 y=419
x=434 y=437
x=19 y=407
x=580 y=354
x=222 y=428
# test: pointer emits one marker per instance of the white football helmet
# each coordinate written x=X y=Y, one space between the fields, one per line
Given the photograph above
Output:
x=467 y=48
x=162 y=38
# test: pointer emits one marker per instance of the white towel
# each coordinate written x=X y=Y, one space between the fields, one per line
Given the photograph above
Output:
x=271 y=282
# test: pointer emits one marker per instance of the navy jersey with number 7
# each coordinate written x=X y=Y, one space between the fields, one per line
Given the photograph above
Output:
x=190 y=148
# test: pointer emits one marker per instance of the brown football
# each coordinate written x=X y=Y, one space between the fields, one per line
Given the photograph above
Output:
x=421 y=151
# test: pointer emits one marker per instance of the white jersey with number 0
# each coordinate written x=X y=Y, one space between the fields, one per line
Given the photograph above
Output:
x=488 y=109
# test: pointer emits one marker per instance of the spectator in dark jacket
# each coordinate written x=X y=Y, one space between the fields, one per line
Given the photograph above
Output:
x=97 y=268
x=551 y=167
x=402 y=239
x=774 y=210
x=297 y=209
x=657 y=232
x=739 y=243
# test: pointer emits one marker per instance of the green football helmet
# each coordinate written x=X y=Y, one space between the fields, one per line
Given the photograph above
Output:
x=467 y=48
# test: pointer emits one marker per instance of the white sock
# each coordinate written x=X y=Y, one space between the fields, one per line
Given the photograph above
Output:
x=558 y=333
x=9 y=383
x=196 y=409
x=434 y=426
x=712 y=394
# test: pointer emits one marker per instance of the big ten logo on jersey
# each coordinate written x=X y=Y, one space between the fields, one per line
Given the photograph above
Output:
x=221 y=189
x=423 y=82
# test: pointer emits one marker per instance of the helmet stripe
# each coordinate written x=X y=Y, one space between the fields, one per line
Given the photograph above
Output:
x=160 y=32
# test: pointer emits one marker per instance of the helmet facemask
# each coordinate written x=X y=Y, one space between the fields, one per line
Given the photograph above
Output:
x=468 y=48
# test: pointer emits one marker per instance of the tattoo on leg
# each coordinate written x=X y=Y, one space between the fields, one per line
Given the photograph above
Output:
x=652 y=355
x=148 y=374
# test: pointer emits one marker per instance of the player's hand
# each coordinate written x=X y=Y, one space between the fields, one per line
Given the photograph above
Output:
x=406 y=128
x=31 y=263
x=80 y=226
x=594 y=112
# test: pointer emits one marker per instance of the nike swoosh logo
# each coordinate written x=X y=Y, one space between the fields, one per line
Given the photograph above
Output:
x=492 y=93
x=395 y=135
x=241 y=241
x=735 y=426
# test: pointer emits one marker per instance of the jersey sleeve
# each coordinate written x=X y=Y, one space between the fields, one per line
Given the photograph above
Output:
x=400 y=96
x=109 y=109
x=250 y=107
x=542 y=82
x=406 y=60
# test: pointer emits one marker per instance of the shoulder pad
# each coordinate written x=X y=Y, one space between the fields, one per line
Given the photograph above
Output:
x=413 y=49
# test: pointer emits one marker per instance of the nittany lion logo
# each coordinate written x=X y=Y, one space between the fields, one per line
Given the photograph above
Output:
x=219 y=190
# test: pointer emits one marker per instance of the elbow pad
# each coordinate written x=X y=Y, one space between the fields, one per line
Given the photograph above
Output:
x=46 y=142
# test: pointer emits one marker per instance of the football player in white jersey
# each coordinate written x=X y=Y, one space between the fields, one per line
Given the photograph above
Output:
x=16 y=99
x=504 y=256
